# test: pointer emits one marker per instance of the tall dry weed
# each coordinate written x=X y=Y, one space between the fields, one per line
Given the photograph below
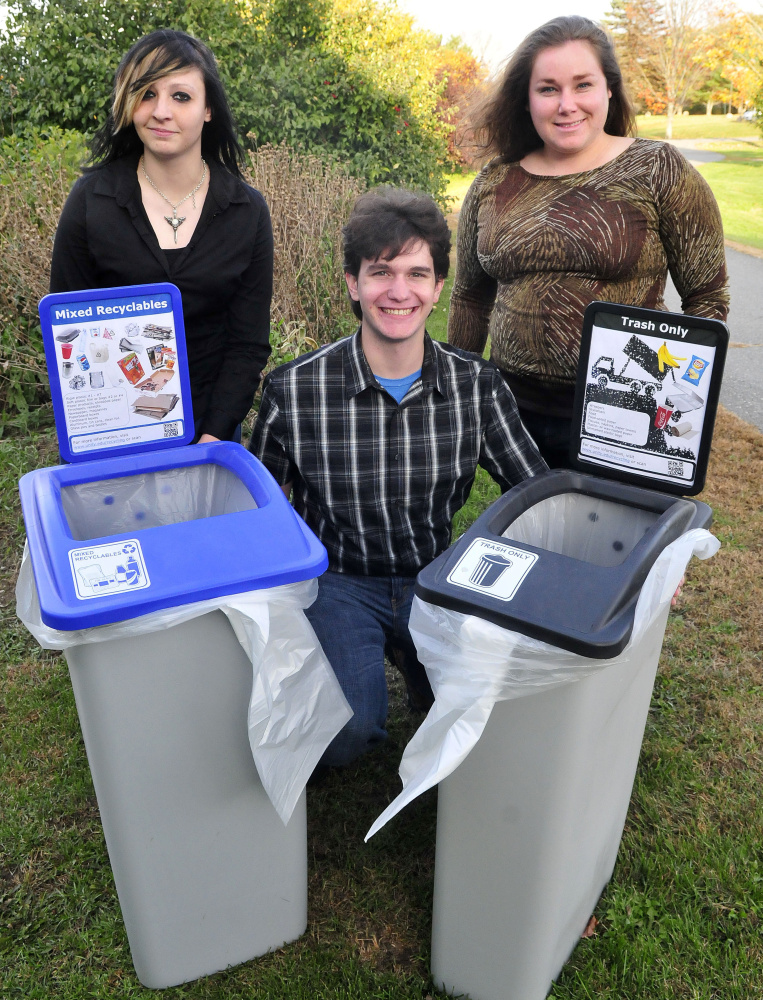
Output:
x=309 y=202
x=35 y=178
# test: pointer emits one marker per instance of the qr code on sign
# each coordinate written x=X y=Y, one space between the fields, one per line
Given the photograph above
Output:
x=173 y=430
x=676 y=469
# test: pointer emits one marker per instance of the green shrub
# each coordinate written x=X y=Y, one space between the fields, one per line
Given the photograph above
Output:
x=311 y=101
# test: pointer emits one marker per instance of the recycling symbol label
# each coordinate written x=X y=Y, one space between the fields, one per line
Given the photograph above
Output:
x=103 y=570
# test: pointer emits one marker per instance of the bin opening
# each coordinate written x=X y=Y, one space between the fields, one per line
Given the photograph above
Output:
x=594 y=530
x=153 y=499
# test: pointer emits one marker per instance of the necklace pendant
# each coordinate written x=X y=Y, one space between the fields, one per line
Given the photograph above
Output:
x=175 y=221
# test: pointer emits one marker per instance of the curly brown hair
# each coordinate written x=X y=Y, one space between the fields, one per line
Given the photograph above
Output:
x=384 y=221
x=502 y=125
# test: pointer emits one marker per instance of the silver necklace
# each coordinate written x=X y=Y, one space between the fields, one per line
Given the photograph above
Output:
x=175 y=220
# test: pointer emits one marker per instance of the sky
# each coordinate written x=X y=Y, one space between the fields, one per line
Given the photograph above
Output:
x=494 y=28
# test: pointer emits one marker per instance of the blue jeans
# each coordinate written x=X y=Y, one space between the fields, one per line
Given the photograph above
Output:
x=357 y=620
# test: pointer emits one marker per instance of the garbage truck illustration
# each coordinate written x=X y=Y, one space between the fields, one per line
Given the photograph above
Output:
x=604 y=372
x=652 y=368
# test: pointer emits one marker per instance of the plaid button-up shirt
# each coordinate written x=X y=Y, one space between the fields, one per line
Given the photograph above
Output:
x=377 y=481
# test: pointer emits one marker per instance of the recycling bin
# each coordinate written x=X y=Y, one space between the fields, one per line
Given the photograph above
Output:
x=207 y=874
x=530 y=823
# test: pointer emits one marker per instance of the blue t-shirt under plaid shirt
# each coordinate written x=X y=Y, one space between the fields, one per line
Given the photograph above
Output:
x=379 y=483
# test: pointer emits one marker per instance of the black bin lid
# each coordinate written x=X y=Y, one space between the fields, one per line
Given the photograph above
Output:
x=582 y=604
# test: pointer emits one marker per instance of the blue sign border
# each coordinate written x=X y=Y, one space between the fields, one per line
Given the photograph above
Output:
x=57 y=299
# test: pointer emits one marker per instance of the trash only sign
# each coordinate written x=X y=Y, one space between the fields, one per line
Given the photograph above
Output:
x=492 y=568
x=647 y=391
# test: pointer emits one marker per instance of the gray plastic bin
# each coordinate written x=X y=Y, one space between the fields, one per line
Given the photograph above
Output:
x=530 y=823
x=206 y=872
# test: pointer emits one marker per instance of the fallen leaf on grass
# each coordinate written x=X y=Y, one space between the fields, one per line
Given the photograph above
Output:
x=590 y=928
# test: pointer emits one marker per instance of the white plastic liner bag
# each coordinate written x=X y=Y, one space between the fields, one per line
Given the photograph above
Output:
x=297 y=706
x=472 y=663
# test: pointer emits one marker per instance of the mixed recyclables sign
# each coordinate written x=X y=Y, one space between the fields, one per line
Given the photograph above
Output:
x=138 y=520
x=646 y=396
x=118 y=369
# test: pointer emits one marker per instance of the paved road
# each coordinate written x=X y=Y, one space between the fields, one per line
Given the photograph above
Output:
x=742 y=387
x=698 y=155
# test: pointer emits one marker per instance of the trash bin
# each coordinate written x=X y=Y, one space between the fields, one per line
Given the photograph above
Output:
x=541 y=630
x=134 y=557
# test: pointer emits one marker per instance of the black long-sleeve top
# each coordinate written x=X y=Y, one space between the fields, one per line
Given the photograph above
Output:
x=225 y=276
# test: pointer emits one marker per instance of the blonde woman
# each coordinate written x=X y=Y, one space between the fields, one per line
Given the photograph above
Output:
x=163 y=200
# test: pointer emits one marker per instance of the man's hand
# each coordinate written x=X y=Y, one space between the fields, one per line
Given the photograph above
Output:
x=679 y=588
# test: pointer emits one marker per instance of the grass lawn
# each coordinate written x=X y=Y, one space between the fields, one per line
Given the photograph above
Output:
x=697 y=127
x=458 y=185
x=681 y=919
x=737 y=183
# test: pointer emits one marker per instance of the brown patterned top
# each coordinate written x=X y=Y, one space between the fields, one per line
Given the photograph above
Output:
x=534 y=251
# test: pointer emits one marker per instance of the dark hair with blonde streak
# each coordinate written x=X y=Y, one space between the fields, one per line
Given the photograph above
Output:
x=385 y=221
x=502 y=125
x=152 y=57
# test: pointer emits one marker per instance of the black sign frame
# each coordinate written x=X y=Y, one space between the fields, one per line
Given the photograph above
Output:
x=646 y=397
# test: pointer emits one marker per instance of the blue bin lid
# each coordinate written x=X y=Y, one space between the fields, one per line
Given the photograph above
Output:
x=82 y=584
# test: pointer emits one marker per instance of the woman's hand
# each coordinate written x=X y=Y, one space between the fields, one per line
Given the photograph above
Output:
x=679 y=588
x=206 y=438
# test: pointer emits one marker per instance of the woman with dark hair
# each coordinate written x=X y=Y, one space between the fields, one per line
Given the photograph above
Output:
x=164 y=200
x=572 y=209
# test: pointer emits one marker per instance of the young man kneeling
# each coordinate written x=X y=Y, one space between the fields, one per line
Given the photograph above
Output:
x=378 y=437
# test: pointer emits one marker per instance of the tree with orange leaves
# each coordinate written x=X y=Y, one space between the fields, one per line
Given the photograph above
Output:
x=735 y=51
x=463 y=78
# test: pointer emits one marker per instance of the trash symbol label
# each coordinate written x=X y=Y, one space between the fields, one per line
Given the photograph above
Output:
x=103 y=570
x=492 y=568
